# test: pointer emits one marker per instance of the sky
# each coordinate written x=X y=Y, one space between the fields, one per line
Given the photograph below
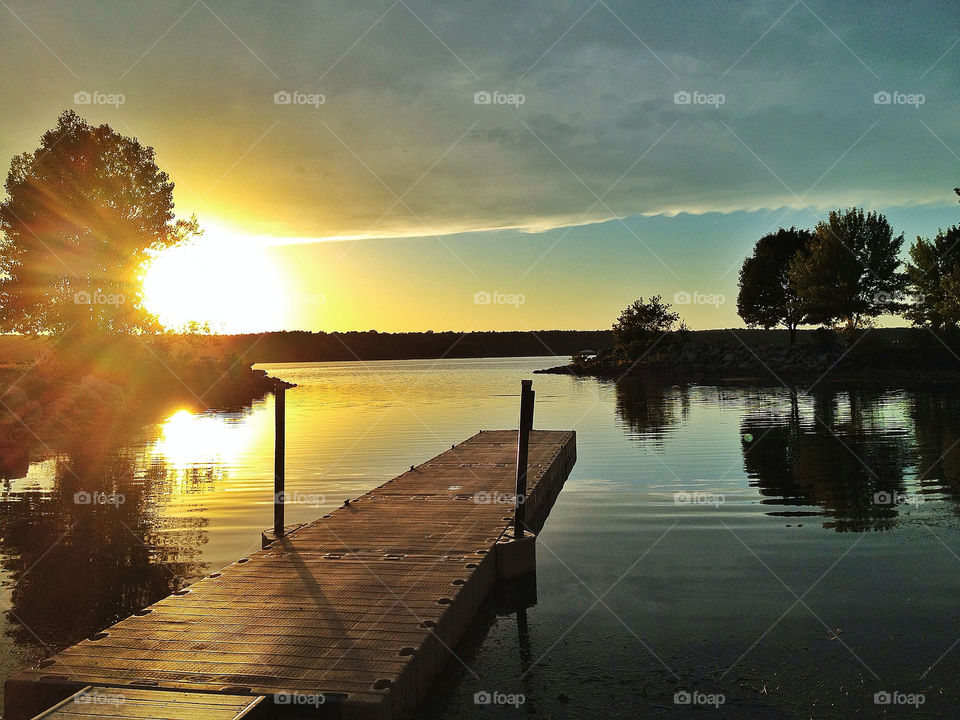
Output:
x=414 y=165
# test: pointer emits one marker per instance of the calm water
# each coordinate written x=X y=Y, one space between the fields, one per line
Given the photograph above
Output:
x=795 y=554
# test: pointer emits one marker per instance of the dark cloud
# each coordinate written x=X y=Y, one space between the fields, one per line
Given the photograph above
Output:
x=598 y=83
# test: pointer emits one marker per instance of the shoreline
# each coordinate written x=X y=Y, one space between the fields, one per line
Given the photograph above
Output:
x=674 y=377
x=869 y=365
x=43 y=414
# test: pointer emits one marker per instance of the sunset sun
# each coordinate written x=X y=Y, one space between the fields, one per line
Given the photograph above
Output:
x=228 y=283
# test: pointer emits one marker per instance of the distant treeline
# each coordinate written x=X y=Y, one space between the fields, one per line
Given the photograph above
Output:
x=301 y=346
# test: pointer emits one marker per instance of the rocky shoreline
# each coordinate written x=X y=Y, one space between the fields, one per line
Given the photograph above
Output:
x=888 y=366
x=42 y=415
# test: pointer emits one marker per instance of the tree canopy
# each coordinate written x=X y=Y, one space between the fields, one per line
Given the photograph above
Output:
x=934 y=275
x=849 y=270
x=641 y=323
x=766 y=297
x=83 y=212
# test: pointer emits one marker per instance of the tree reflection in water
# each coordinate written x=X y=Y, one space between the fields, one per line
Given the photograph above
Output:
x=846 y=452
x=936 y=419
x=860 y=458
x=651 y=410
x=97 y=530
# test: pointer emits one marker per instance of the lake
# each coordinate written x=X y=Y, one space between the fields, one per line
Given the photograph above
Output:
x=724 y=551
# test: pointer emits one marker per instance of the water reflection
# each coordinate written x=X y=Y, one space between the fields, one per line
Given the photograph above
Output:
x=197 y=491
x=198 y=450
x=936 y=418
x=844 y=452
x=100 y=538
x=651 y=410
x=94 y=519
x=862 y=459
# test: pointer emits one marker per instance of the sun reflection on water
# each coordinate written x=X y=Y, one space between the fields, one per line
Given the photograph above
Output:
x=187 y=440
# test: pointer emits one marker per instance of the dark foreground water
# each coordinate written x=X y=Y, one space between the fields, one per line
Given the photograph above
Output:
x=717 y=552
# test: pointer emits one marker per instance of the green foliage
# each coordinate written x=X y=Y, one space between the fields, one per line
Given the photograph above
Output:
x=82 y=214
x=934 y=275
x=766 y=297
x=643 y=323
x=849 y=270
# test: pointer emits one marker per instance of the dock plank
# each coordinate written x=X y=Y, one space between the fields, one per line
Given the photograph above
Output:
x=133 y=704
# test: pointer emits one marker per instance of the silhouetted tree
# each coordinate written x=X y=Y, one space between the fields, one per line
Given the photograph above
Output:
x=934 y=276
x=766 y=297
x=82 y=213
x=849 y=270
x=642 y=323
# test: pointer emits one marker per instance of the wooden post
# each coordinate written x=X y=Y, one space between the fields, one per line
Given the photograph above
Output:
x=278 y=460
x=523 y=448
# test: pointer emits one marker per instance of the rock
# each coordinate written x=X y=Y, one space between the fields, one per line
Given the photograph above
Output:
x=14 y=398
x=105 y=390
x=68 y=400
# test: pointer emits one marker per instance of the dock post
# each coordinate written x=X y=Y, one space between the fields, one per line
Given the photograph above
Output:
x=523 y=447
x=279 y=401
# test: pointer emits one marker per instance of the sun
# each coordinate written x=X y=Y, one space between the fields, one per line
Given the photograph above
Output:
x=223 y=280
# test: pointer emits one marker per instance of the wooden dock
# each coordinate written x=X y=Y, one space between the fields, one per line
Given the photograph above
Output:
x=349 y=616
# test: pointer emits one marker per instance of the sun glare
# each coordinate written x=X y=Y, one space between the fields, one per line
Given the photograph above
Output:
x=228 y=282
x=187 y=440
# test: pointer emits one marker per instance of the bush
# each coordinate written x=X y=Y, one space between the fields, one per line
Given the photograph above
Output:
x=642 y=324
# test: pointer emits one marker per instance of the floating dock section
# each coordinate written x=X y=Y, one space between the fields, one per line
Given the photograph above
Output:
x=350 y=616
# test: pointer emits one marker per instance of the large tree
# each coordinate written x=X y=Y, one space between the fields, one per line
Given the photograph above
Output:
x=82 y=214
x=934 y=276
x=849 y=270
x=766 y=297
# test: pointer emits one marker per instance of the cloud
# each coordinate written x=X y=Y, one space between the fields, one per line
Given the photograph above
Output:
x=399 y=147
